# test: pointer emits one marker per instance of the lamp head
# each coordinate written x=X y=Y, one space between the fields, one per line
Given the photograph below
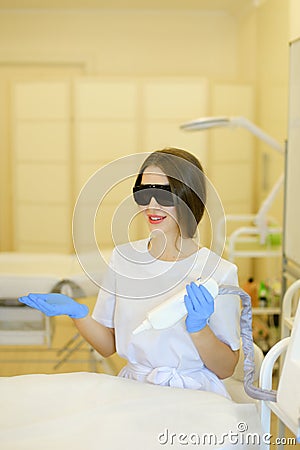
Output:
x=203 y=123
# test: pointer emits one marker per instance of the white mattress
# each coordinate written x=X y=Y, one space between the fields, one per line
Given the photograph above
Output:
x=91 y=411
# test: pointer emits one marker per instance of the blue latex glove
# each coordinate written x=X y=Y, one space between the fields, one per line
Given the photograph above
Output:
x=200 y=306
x=55 y=305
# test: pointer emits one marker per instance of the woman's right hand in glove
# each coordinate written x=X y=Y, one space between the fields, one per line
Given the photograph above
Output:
x=55 y=305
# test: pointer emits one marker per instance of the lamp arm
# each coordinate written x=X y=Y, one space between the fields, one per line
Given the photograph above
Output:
x=245 y=123
x=204 y=123
x=232 y=122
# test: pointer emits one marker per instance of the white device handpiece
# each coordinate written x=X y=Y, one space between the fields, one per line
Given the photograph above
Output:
x=172 y=310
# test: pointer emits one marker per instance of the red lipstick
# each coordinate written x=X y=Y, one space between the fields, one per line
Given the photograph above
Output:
x=155 y=218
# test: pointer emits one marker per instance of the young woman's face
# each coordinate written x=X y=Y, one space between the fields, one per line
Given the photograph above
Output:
x=159 y=217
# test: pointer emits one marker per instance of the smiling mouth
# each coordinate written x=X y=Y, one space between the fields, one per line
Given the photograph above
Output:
x=155 y=219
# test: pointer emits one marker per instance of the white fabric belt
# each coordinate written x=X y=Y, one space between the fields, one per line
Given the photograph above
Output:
x=170 y=376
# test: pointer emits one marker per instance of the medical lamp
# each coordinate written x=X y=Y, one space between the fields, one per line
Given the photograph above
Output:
x=204 y=123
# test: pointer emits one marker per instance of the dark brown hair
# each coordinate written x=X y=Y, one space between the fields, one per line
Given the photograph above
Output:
x=187 y=182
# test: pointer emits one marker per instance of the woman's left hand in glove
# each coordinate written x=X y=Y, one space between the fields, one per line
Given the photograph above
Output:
x=200 y=306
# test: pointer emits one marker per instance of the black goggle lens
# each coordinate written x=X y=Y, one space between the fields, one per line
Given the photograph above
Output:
x=161 y=192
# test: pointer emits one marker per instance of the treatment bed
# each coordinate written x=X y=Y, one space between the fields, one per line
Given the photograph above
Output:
x=88 y=410
x=91 y=411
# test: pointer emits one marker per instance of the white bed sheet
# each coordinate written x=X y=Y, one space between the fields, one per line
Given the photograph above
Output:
x=80 y=411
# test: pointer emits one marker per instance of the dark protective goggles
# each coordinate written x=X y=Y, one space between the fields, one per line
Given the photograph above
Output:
x=162 y=193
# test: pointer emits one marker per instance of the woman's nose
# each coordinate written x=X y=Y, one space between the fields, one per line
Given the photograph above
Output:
x=153 y=203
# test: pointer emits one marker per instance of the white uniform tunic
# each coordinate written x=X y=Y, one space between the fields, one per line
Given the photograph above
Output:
x=136 y=283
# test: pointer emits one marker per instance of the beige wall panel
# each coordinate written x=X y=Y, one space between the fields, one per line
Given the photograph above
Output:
x=42 y=176
x=42 y=224
x=120 y=192
x=42 y=141
x=233 y=99
x=84 y=172
x=160 y=134
x=41 y=100
x=46 y=247
x=116 y=195
x=116 y=223
x=125 y=170
x=232 y=182
x=100 y=227
x=271 y=97
x=103 y=229
x=232 y=150
x=42 y=183
x=112 y=224
x=97 y=99
x=83 y=228
x=232 y=145
x=183 y=100
x=105 y=141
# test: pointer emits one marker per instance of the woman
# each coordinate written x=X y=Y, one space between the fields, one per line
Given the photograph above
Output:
x=201 y=349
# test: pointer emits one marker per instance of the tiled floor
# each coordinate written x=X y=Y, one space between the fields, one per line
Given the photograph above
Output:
x=27 y=360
